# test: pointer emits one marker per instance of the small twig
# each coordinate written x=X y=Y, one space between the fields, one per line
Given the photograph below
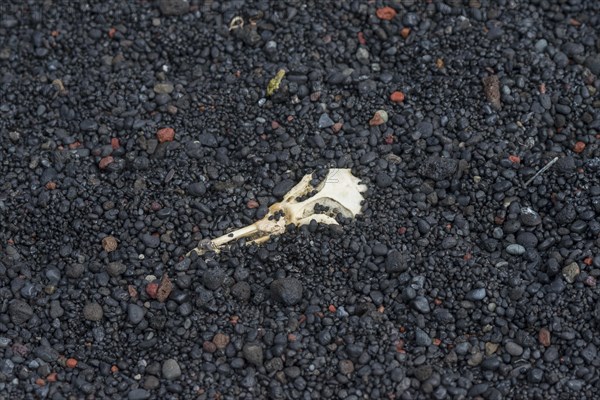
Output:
x=541 y=171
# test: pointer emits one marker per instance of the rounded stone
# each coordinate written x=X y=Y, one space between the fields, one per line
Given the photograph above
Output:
x=515 y=249
x=396 y=262
x=241 y=291
x=135 y=313
x=513 y=349
x=253 y=353
x=20 y=312
x=171 y=369
x=93 y=312
x=287 y=291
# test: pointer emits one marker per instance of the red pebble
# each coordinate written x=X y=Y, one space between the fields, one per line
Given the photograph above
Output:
x=152 y=289
x=165 y=135
x=114 y=143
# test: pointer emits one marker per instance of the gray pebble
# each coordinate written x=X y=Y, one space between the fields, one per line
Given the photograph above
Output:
x=93 y=312
x=575 y=384
x=515 y=249
x=116 y=268
x=383 y=180
x=281 y=188
x=213 y=278
x=287 y=290
x=541 y=45
x=56 y=310
x=171 y=369
x=396 y=262
x=593 y=64
x=513 y=349
x=421 y=304
x=196 y=189
x=173 y=7
x=74 y=271
x=438 y=168
x=241 y=291
x=135 y=313
x=19 y=311
x=151 y=382
x=253 y=353
x=421 y=337
x=362 y=55
x=380 y=249
x=208 y=139
x=476 y=294
x=46 y=353
x=151 y=241
x=527 y=240
x=589 y=352
x=138 y=394
x=535 y=375
x=529 y=217
x=423 y=372
x=325 y=121
x=570 y=272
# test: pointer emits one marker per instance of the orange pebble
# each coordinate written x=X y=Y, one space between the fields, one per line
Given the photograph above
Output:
x=514 y=159
x=397 y=97
x=332 y=308
x=40 y=382
x=405 y=32
x=579 y=146
x=71 y=363
x=386 y=13
x=52 y=377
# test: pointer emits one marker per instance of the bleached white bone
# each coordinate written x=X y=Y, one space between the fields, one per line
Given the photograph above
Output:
x=340 y=192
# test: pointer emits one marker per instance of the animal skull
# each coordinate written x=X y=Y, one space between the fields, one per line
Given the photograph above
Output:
x=340 y=191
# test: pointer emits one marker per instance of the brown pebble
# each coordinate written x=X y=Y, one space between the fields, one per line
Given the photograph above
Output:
x=346 y=367
x=105 y=162
x=221 y=340
x=491 y=88
x=164 y=289
x=109 y=244
x=579 y=147
x=209 y=347
x=544 y=337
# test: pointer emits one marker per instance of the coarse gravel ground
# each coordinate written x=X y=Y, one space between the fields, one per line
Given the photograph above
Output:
x=132 y=130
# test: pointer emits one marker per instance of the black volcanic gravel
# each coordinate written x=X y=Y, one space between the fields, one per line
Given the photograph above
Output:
x=130 y=131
